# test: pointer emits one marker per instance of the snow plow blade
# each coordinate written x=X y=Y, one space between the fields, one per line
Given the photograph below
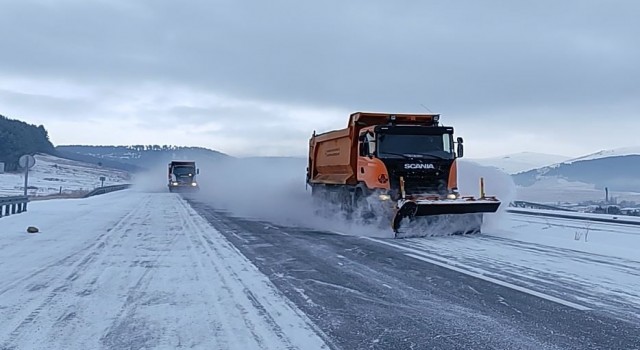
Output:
x=449 y=209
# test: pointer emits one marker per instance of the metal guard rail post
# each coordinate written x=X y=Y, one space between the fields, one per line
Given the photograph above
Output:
x=13 y=205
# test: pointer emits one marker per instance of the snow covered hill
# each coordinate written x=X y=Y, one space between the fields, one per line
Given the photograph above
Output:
x=140 y=156
x=615 y=169
x=519 y=162
x=52 y=175
x=617 y=152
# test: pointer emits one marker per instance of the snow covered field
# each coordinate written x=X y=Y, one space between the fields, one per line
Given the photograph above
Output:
x=52 y=173
x=135 y=270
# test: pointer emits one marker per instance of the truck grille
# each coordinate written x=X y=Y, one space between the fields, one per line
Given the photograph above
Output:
x=184 y=180
x=424 y=183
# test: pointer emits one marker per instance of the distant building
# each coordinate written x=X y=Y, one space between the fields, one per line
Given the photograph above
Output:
x=630 y=211
x=1 y=168
x=608 y=209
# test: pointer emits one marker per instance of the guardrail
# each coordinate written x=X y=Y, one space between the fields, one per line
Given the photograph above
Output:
x=13 y=205
x=525 y=204
x=617 y=220
x=107 y=189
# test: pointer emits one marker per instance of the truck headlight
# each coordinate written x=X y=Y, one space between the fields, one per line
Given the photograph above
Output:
x=174 y=183
x=194 y=184
x=452 y=196
x=384 y=197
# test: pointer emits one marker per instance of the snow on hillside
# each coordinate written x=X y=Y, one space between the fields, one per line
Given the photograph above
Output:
x=617 y=152
x=51 y=175
x=519 y=162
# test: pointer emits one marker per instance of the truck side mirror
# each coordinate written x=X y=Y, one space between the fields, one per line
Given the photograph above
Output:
x=197 y=171
x=460 y=149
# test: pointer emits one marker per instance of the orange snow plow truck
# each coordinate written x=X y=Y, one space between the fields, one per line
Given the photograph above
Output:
x=402 y=166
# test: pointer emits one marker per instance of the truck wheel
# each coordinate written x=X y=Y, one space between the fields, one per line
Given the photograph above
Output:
x=346 y=202
x=362 y=205
x=316 y=192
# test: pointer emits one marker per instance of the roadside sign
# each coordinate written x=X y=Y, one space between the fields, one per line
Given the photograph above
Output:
x=27 y=161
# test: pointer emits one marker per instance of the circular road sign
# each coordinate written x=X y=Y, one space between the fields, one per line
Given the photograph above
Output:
x=27 y=161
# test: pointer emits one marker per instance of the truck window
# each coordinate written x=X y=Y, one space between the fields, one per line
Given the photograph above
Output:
x=371 y=141
x=184 y=171
x=447 y=142
x=395 y=145
x=368 y=145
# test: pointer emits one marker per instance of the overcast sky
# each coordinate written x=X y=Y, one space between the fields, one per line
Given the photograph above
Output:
x=257 y=77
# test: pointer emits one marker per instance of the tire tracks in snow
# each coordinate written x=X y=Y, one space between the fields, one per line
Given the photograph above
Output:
x=122 y=322
x=544 y=269
x=160 y=277
x=64 y=260
x=59 y=281
x=249 y=305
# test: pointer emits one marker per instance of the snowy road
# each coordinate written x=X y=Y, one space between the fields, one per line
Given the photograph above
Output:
x=132 y=270
x=477 y=292
x=612 y=285
x=158 y=276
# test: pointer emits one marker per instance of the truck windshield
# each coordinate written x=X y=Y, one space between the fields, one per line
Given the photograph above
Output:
x=184 y=171
x=435 y=146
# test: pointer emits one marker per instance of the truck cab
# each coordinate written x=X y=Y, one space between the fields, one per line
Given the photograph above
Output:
x=416 y=158
x=182 y=176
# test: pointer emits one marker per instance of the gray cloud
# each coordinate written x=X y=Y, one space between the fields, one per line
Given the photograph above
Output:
x=503 y=58
x=66 y=107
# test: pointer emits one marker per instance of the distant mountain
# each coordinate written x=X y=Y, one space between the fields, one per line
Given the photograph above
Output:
x=18 y=138
x=519 y=162
x=619 y=170
x=139 y=156
x=626 y=151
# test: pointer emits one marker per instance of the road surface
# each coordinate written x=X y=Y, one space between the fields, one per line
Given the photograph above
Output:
x=428 y=293
x=159 y=277
x=132 y=270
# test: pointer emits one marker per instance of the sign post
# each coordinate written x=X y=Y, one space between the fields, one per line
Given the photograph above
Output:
x=27 y=161
x=102 y=178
